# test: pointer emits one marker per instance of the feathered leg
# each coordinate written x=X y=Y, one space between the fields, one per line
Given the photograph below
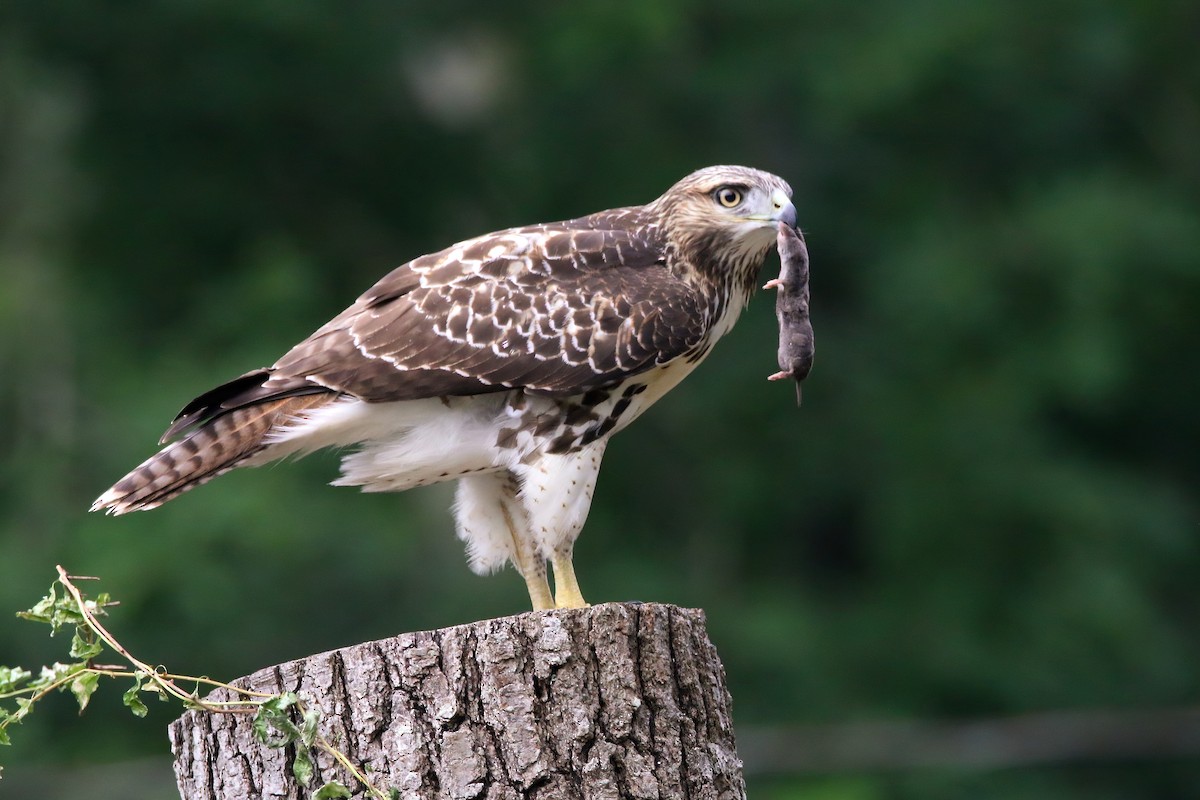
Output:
x=556 y=491
x=493 y=523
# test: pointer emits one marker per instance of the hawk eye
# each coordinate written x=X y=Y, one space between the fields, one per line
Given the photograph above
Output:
x=728 y=196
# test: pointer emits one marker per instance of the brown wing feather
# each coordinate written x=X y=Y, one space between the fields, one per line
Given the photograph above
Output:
x=558 y=309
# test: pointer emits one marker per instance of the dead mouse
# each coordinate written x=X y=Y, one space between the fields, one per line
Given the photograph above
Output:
x=791 y=308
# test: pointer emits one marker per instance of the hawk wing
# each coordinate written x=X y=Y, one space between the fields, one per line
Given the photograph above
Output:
x=557 y=309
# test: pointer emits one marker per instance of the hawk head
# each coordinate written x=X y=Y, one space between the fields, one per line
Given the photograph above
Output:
x=721 y=221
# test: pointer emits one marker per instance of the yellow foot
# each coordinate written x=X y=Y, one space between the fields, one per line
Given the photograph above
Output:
x=566 y=587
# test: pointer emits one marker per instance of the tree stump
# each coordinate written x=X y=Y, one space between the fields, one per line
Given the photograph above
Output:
x=615 y=701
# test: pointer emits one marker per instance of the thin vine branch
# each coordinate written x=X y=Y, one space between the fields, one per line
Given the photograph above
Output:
x=82 y=678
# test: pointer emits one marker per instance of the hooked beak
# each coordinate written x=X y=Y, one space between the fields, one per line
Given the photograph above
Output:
x=785 y=211
x=782 y=210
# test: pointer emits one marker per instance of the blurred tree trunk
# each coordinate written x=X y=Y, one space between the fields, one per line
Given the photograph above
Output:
x=615 y=701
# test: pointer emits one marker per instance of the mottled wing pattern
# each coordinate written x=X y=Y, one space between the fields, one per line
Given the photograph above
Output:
x=558 y=309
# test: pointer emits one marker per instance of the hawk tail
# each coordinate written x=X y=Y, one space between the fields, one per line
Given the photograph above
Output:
x=212 y=449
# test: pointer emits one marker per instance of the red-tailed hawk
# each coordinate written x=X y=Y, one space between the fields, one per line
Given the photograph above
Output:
x=504 y=362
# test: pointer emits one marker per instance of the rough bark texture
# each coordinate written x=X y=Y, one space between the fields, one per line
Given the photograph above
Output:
x=614 y=701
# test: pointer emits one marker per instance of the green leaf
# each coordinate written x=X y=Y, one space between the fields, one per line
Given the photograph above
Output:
x=42 y=611
x=155 y=688
x=83 y=686
x=133 y=702
x=5 y=719
x=331 y=790
x=11 y=678
x=55 y=673
x=83 y=649
x=278 y=705
x=302 y=766
x=54 y=610
x=260 y=726
x=272 y=717
x=308 y=733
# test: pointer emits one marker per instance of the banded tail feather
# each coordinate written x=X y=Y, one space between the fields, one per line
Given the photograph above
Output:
x=215 y=447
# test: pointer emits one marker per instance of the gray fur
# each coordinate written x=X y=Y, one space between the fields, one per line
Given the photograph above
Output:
x=791 y=308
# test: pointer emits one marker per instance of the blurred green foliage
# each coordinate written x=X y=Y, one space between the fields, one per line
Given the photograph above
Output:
x=987 y=505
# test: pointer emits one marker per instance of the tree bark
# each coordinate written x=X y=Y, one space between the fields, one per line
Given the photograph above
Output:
x=614 y=701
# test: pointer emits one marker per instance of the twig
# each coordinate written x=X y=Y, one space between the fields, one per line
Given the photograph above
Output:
x=246 y=701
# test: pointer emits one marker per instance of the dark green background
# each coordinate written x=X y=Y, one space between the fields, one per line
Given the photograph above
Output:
x=987 y=505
